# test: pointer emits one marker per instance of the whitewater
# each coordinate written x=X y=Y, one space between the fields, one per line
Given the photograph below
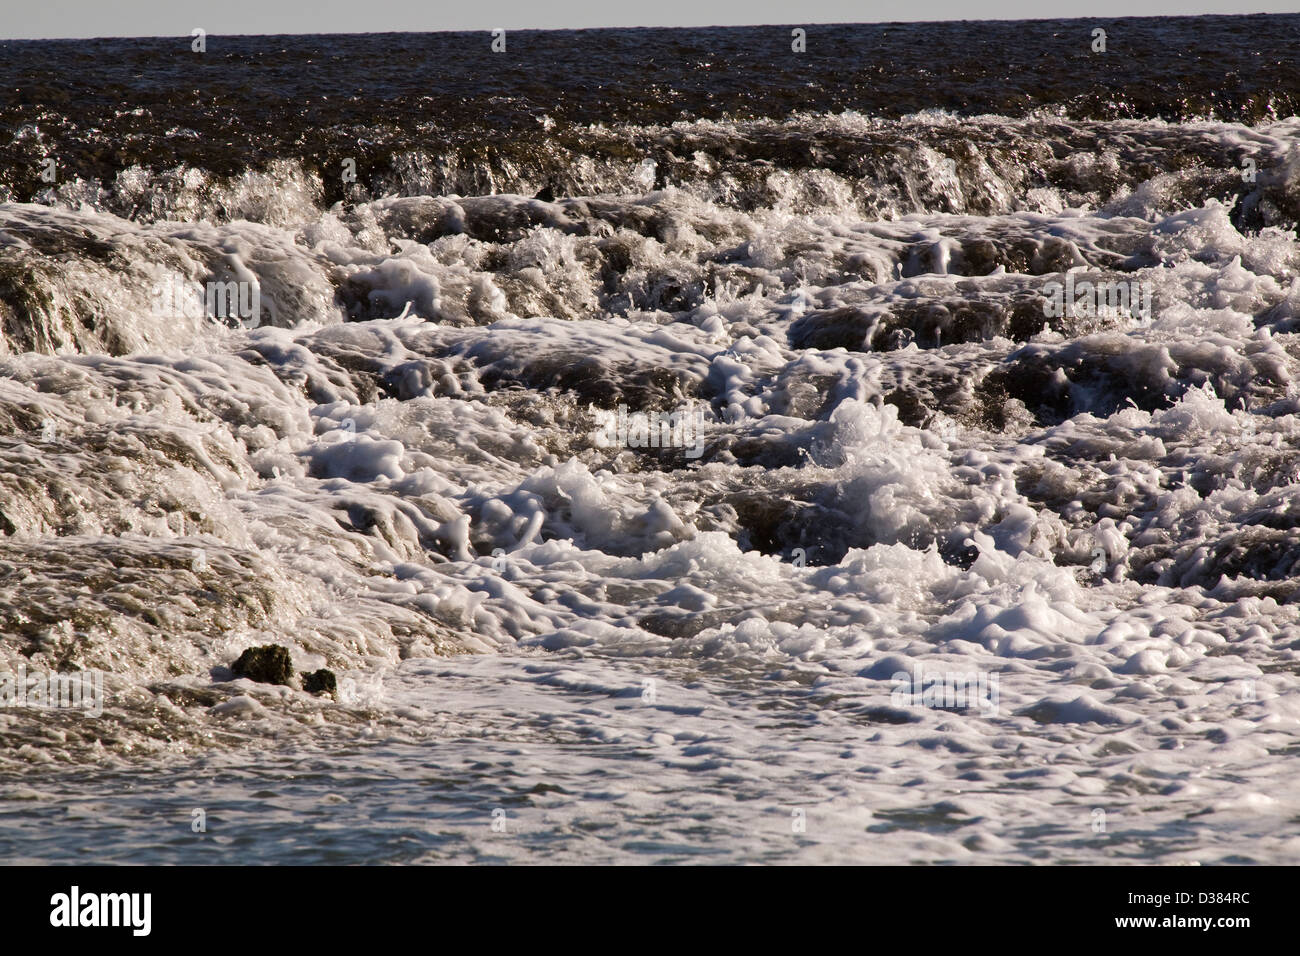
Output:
x=551 y=646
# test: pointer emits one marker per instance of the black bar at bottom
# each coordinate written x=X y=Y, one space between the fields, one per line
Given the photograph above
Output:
x=331 y=906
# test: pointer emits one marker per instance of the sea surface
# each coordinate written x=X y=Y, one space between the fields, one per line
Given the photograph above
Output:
x=975 y=537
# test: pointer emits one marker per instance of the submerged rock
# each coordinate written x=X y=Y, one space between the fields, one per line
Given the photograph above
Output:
x=320 y=682
x=268 y=664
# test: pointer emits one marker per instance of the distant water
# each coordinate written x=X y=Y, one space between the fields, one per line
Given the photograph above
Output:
x=981 y=350
x=400 y=104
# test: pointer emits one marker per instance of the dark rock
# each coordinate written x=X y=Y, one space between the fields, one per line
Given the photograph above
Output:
x=320 y=682
x=268 y=664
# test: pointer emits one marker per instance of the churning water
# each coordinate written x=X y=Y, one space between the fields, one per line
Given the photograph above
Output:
x=678 y=447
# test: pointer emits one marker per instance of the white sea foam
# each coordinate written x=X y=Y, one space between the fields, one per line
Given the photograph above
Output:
x=905 y=463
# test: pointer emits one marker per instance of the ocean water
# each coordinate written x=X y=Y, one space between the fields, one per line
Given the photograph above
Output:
x=971 y=538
